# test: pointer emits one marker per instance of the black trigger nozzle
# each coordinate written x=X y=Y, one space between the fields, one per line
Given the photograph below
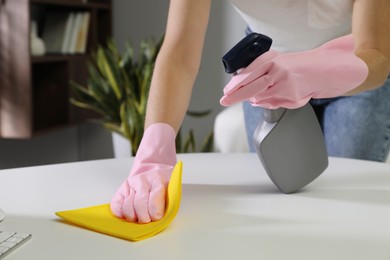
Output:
x=246 y=51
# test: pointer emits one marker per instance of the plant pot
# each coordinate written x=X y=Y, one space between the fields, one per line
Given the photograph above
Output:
x=121 y=146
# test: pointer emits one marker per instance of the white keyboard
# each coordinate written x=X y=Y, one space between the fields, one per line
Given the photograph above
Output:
x=9 y=241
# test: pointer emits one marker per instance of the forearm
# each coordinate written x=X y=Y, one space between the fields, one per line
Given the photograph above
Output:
x=371 y=30
x=379 y=68
x=178 y=62
x=170 y=91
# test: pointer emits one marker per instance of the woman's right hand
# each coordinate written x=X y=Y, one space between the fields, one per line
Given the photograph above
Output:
x=141 y=197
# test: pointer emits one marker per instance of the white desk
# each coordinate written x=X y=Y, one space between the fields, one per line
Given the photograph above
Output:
x=229 y=210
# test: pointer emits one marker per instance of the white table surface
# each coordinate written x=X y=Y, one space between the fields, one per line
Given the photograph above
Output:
x=229 y=210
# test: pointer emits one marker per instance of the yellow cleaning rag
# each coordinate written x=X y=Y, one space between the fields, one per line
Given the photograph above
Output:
x=99 y=218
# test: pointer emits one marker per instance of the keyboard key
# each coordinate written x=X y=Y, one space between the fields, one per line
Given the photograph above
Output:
x=8 y=244
x=14 y=239
x=21 y=235
x=3 y=249
x=9 y=241
x=5 y=235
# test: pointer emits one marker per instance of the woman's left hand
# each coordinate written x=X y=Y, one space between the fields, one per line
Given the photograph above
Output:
x=290 y=80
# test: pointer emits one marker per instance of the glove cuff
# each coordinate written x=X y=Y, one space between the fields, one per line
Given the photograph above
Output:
x=157 y=147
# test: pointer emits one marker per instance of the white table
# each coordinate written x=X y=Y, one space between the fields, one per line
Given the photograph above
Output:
x=229 y=210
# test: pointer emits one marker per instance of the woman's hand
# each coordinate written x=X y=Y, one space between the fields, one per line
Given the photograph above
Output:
x=141 y=197
x=289 y=80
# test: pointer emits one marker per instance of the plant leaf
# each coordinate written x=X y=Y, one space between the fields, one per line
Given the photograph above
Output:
x=118 y=89
x=178 y=142
x=189 y=143
x=208 y=143
x=104 y=68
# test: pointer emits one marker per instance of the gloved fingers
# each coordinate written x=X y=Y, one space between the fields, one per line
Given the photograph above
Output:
x=116 y=206
x=248 y=91
x=259 y=67
x=266 y=103
x=117 y=200
x=141 y=199
x=282 y=94
x=128 y=210
x=277 y=102
x=157 y=197
x=274 y=97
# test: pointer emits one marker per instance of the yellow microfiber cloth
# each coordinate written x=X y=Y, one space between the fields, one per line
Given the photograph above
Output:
x=99 y=218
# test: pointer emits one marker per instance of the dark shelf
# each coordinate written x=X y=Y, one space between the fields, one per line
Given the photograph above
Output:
x=75 y=3
x=35 y=91
x=52 y=58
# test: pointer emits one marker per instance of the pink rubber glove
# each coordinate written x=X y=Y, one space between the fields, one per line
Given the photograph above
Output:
x=289 y=80
x=141 y=197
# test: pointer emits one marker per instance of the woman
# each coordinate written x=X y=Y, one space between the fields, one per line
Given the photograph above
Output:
x=322 y=49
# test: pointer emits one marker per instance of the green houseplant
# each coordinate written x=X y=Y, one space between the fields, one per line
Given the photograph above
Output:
x=118 y=88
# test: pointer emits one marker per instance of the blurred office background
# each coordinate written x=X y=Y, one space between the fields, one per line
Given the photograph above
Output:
x=133 y=21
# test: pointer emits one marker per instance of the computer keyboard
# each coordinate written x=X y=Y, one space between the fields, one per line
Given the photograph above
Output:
x=9 y=241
